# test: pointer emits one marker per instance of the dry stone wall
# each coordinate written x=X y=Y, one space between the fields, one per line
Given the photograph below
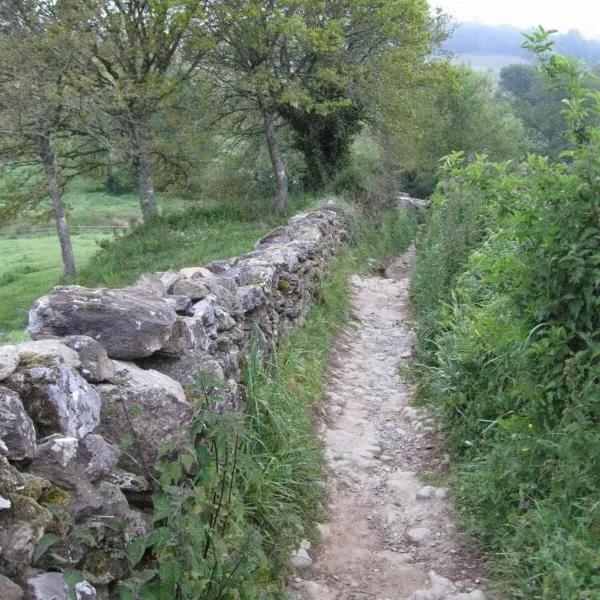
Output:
x=108 y=365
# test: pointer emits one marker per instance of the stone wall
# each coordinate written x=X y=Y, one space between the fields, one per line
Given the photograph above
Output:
x=108 y=366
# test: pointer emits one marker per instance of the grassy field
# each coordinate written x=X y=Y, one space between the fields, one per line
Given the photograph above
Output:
x=30 y=262
x=89 y=206
x=29 y=267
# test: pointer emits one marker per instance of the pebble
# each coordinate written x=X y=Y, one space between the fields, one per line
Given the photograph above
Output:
x=425 y=492
x=301 y=559
x=442 y=493
x=418 y=534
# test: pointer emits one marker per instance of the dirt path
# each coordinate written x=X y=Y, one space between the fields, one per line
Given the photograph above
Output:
x=389 y=535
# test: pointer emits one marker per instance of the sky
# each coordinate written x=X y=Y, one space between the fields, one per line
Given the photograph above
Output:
x=583 y=15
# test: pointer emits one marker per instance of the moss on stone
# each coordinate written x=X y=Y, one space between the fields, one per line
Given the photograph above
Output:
x=55 y=496
x=34 y=486
x=285 y=287
x=29 y=360
x=27 y=509
x=96 y=562
x=10 y=478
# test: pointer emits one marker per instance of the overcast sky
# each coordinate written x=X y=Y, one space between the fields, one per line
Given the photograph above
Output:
x=551 y=14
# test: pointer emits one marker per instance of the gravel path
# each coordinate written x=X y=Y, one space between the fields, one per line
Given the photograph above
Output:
x=389 y=535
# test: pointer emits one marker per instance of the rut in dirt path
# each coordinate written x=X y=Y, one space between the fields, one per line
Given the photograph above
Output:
x=389 y=536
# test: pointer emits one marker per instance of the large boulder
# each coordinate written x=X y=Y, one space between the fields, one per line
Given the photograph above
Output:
x=193 y=371
x=16 y=428
x=52 y=586
x=80 y=351
x=181 y=340
x=50 y=348
x=254 y=271
x=103 y=510
x=9 y=358
x=55 y=396
x=130 y=323
x=196 y=290
x=9 y=590
x=11 y=480
x=143 y=411
x=195 y=272
x=46 y=586
x=251 y=297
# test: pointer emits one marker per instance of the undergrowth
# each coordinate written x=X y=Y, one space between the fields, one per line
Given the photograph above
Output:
x=506 y=290
x=231 y=508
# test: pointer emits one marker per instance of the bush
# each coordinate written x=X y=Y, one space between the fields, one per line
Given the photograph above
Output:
x=506 y=288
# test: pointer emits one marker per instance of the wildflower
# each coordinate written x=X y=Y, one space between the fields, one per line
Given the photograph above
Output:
x=525 y=450
x=530 y=425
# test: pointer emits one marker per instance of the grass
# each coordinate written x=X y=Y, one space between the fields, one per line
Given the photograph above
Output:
x=29 y=267
x=203 y=233
x=89 y=206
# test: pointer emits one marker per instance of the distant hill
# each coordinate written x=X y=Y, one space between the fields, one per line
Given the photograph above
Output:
x=490 y=62
x=476 y=39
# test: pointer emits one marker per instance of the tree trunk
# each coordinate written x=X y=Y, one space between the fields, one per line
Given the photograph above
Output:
x=58 y=206
x=278 y=164
x=143 y=168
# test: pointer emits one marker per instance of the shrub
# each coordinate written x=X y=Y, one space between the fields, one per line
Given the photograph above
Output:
x=506 y=288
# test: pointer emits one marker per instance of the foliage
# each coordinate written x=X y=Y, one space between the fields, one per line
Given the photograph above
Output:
x=510 y=353
x=138 y=53
x=538 y=106
x=307 y=64
x=38 y=113
x=444 y=109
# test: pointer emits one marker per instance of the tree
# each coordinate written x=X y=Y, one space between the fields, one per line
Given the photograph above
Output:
x=538 y=106
x=304 y=62
x=338 y=84
x=141 y=51
x=37 y=106
x=444 y=109
x=257 y=65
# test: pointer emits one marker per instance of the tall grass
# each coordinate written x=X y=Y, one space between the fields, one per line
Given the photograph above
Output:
x=203 y=232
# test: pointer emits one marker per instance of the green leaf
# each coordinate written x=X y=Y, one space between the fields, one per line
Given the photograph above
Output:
x=187 y=460
x=135 y=551
x=171 y=573
x=46 y=542
x=72 y=577
x=83 y=533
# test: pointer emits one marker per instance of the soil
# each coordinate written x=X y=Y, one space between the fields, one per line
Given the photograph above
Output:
x=390 y=534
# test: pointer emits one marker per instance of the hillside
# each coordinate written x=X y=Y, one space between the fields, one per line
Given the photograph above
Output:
x=476 y=39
